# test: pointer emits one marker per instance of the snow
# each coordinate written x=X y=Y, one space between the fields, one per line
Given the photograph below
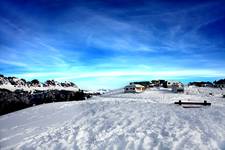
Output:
x=32 y=88
x=147 y=120
x=22 y=85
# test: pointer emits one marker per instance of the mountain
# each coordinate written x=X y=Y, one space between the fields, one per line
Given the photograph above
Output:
x=14 y=83
x=16 y=93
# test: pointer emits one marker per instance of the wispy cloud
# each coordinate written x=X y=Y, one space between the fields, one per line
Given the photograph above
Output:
x=18 y=64
x=96 y=41
x=152 y=74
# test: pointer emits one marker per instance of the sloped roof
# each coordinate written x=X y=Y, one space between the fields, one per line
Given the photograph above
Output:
x=134 y=85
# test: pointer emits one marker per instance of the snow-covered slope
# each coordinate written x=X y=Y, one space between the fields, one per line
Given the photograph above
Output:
x=147 y=120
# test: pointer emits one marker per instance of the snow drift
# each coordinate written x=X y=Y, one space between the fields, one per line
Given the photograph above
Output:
x=148 y=120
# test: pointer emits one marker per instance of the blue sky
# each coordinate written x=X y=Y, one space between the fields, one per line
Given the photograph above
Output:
x=106 y=44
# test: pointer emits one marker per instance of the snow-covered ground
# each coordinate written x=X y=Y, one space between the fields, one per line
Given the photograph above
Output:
x=116 y=120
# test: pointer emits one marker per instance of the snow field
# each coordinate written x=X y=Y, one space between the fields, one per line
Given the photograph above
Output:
x=147 y=120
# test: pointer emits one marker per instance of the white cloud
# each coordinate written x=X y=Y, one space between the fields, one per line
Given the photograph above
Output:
x=106 y=32
x=152 y=74
x=14 y=63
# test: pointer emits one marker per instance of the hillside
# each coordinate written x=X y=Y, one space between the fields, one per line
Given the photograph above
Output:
x=115 y=120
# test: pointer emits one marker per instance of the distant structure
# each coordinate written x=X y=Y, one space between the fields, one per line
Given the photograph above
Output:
x=134 y=88
x=146 y=84
x=177 y=87
x=168 y=84
x=158 y=83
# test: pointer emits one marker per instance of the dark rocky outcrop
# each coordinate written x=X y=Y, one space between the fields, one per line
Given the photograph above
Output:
x=220 y=83
x=201 y=84
x=12 y=101
x=19 y=99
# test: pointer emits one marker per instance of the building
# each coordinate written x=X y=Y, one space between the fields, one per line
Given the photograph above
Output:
x=146 y=84
x=170 y=83
x=134 y=88
x=177 y=87
x=155 y=83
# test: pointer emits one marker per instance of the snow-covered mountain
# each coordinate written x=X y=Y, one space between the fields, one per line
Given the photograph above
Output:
x=148 y=120
x=97 y=92
x=13 y=83
x=16 y=94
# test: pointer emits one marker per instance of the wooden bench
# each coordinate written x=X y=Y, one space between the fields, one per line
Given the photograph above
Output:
x=192 y=104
